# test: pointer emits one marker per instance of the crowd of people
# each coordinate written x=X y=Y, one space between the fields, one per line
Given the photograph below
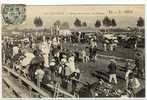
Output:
x=49 y=62
x=46 y=62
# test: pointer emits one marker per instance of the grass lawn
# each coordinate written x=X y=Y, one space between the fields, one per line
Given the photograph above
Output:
x=127 y=53
x=101 y=64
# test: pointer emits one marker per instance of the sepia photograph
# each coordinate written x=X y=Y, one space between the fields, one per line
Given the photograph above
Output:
x=73 y=51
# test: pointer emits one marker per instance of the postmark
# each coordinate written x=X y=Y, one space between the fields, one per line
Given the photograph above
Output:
x=13 y=13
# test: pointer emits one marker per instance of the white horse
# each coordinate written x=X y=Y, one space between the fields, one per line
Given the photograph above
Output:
x=26 y=62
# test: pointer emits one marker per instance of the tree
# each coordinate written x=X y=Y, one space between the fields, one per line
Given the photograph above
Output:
x=106 y=22
x=65 y=25
x=140 y=23
x=57 y=23
x=113 y=23
x=97 y=24
x=84 y=24
x=38 y=22
x=77 y=23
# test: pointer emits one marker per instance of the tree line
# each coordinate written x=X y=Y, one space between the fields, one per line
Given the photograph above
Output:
x=106 y=22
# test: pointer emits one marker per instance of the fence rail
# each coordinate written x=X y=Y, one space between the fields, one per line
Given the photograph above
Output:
x=13 y=88
x=32 y=86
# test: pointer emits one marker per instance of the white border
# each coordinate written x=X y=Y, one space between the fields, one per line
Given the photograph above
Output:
x=0 y=61
x=75 y=2
x=62 y=2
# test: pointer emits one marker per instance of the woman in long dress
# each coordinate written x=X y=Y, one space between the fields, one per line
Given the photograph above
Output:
x=71 y=65
x=45 y=51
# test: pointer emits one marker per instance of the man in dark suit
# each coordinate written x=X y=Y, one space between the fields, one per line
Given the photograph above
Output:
x=112 y=71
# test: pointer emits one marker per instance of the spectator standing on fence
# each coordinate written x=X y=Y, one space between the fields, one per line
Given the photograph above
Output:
x=61 y=53
x=16 y=54
x=49 y=47
x=15 y=50
x=65 y=75
x=75 y=76
x=45 y=52
x=39 y=73
x=52 y=68
x=112 y=71
x=18 y=67
x=57 y=54
x=71 y=62
x=63 y=59
x=128 y=71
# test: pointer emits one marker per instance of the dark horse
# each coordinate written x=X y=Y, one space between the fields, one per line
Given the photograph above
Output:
x=36 y=61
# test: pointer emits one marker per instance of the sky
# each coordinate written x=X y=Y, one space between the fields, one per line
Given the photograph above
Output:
x=125 y=15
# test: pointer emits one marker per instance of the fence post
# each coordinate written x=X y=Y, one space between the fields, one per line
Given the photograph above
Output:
x=56 y=91
x=20 y=83
x=30 y=91
x=38 y=82
x=11 y=89
x=8 y=72
x=19 y=80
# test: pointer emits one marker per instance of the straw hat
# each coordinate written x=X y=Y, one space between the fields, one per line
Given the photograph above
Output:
x=113 y=60
x=64 y=56
x=77 y=70
x=128 y=59
x=106 y=41
x=53 y=60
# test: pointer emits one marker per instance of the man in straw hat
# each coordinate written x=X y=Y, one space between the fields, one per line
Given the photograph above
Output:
x=112 y=71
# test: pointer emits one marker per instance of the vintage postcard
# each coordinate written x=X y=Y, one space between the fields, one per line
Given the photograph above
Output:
x=73 y=51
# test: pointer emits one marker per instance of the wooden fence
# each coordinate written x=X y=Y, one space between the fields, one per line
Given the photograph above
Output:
x=31 y=85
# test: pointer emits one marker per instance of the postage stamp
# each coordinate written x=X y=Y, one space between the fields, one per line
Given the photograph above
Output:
x=13 y=13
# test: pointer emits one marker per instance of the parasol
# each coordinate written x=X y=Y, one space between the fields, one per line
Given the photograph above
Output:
x=28 y=57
